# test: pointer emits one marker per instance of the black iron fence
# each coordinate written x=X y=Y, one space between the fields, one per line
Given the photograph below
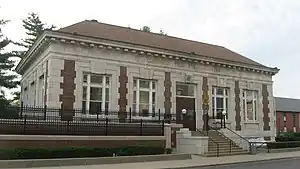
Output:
x=53 y=121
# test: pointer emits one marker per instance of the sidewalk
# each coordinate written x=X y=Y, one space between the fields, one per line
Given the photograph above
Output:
x=196 y=161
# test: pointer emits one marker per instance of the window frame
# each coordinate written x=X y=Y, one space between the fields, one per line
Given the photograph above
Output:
x=254 y=106
x=224 y=96
x=136 y=99
x=103 y=86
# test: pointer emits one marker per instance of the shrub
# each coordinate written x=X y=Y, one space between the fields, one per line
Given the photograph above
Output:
x=77 y=152
x=276 y=145
x=288 y=136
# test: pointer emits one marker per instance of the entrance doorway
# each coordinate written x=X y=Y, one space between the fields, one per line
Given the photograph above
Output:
x=185 y=99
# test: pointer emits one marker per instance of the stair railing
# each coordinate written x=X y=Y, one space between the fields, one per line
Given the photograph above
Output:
x=217 y=144
x=216 y=129
x=237 y=139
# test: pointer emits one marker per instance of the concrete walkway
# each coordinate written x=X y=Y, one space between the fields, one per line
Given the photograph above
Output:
x=195 y=161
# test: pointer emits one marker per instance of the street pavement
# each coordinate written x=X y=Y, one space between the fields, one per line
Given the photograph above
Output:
x=293 y=163
x=271 y=161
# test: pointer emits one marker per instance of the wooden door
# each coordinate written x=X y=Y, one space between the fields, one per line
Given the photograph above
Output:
x=189 y=119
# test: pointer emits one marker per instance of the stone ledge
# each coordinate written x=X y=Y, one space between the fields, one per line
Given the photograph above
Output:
x=65 y=137
x=90 y=161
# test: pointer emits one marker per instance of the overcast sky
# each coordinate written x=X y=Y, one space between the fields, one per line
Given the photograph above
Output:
x=267 y=31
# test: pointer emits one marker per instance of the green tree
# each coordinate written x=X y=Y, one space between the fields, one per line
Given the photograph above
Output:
x=7 y=79
x=162 y=32
x=34 y=28
x=146 y=29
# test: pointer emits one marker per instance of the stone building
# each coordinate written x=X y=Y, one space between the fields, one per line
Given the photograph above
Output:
x=97 y=67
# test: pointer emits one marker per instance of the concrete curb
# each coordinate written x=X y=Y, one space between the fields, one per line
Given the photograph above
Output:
x=233 y=163
x=90 y=161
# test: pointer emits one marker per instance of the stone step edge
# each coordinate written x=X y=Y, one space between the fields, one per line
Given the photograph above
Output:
x=32 y=163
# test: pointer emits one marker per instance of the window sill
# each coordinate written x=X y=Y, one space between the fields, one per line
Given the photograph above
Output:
x=251 y=122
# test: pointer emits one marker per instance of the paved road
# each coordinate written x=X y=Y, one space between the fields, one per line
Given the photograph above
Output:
x=293 y=163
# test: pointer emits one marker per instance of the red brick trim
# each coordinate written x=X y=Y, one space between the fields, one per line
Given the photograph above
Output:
x=237 y=106
x=168 y=93
x=68 y=86
x=266 y=110
x=123 y=80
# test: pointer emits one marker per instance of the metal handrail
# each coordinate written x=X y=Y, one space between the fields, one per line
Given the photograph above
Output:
x=238 y=135
x=218 y=147
x=248 y=142
x=230 y=141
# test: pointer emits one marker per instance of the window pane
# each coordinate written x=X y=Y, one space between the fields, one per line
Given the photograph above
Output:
x=85 y=78
x=153 y=85
x=244 y=109
x=95 y=107
x=154 y=111
x=106 y=106
x=220 y=103
x=249 y=108
x=153 y=97
x=184 y=90
x=134 y=110
x=255 y=109
x=84 y=89
x=96 y=93
x=144 y=110
x=96 y=78
x=144 y=97
x=144 y=84
x=106 y=94
x=107 y=80
x=134 y=82
x=134 y=96
x=226 y=92
x=220 y=91
x=84 y=107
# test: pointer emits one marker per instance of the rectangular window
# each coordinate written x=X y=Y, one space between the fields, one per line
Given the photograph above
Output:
x=294 y=119
x=284 y=119
x=219 y=101
x=144 y=97
x=95 y=93
x=250 y=105
x=185 y=90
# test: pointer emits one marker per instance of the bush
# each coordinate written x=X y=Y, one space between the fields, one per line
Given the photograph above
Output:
x=288 y=136
x=276 y=145
x=77 y=152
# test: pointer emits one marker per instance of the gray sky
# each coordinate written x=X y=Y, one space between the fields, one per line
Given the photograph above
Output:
x=267 y=31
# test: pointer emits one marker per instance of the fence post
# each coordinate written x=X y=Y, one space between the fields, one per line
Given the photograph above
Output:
x=106 y=126
x=163 y=128
x=68 y=126
x=159 y=114
x=21 y=111
x=24 y=128
x=141 y=127
x=45 y=112
x=130 y=114
x=97 y=116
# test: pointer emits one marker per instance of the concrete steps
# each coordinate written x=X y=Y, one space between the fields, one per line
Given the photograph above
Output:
x=226 y=146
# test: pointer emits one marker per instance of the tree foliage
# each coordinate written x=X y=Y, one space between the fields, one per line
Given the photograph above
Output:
x=146 y=29
x=7 y=79
x=34 y=28
x=162 y=32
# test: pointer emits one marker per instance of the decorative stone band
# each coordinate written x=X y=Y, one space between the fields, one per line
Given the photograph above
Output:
x=183 y=56
x=123 y=80
x=266 y=110
x=68 y=85
x=237 y=106
x=167 y=93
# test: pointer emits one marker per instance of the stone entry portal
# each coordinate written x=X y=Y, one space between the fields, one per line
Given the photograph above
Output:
x=188 y=118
